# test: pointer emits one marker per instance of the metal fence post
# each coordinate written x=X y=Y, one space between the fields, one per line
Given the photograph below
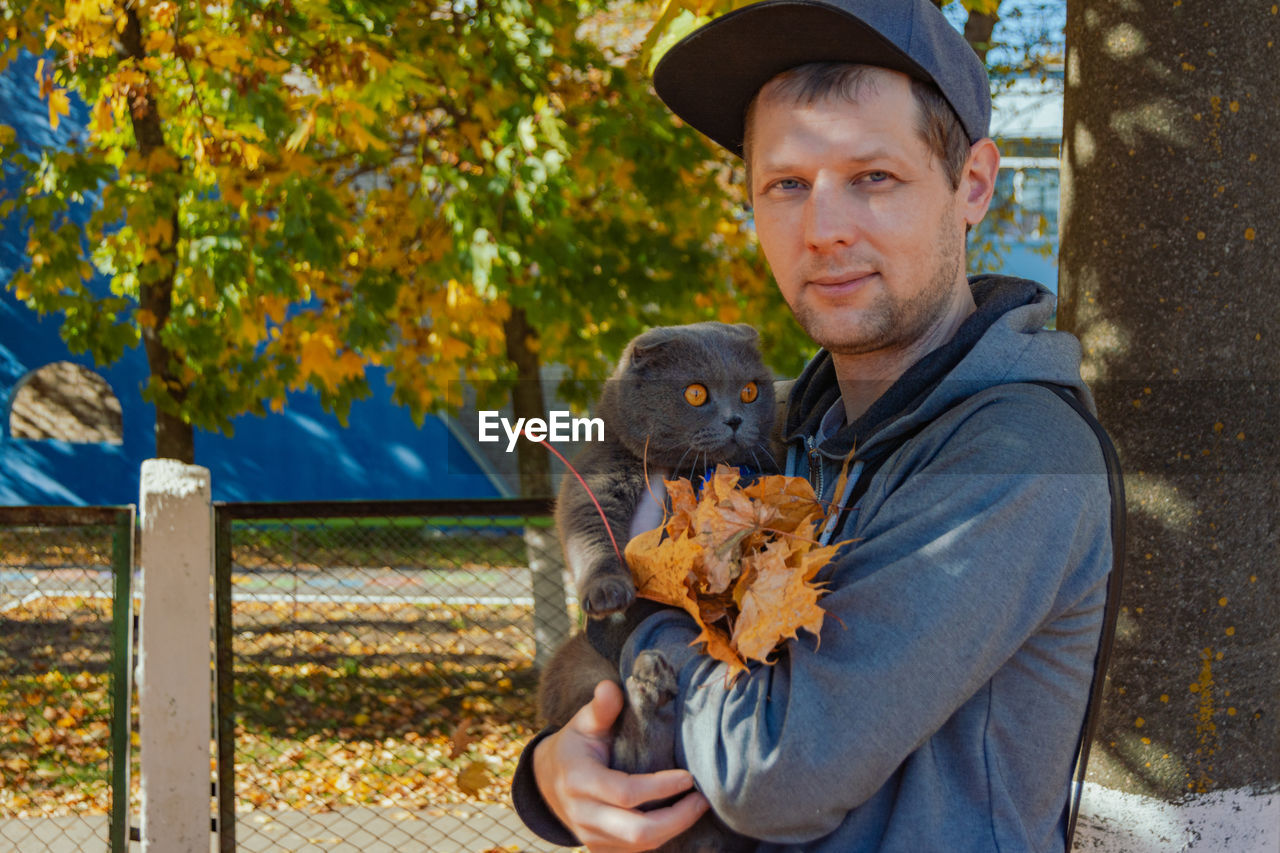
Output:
x=224 y=681
x=121 y=676
x=175 y=657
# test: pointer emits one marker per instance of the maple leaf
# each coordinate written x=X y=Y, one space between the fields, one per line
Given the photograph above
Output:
x=741 y=560
x=720 y=646
x=474 y=778
x=656 y=563
x=683 y=504
x=792 y=498
x=778 y=602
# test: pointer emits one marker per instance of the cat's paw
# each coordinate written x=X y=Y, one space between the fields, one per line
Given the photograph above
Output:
x=652 y=683
x=608 y=594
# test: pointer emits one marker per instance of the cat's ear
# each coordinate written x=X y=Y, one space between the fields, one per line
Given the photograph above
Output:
x=743 y=332
x=645 y=348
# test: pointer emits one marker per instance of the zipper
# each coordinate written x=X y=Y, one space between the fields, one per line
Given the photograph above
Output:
x=815 y=465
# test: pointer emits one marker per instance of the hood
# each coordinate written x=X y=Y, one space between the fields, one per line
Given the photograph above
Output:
x=1003 y=341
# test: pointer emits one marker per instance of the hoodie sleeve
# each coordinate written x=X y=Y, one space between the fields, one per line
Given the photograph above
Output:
x=980 y=533
x=529 y=804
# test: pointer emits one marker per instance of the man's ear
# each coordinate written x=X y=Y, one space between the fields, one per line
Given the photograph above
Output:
x=978 y=180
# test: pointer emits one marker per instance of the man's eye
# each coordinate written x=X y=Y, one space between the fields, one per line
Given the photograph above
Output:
x=875 y=177
x=787 y=184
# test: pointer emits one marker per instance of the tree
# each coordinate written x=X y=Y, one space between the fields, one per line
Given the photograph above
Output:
x=291 y=192
x=1168 y=268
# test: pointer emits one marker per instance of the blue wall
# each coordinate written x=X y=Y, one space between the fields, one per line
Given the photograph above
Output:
x=300 y=454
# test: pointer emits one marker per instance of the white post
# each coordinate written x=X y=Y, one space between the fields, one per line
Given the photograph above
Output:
x=174 y=657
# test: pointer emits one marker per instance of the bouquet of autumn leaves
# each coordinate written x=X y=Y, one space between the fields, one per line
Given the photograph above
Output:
x=740 y=559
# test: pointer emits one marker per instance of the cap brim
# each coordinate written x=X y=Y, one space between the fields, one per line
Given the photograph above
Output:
x=710 y=77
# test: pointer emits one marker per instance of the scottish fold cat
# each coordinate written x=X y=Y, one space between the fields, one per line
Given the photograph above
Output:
x=682 y=400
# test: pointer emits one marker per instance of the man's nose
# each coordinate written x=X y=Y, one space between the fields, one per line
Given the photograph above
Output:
x=830 y=217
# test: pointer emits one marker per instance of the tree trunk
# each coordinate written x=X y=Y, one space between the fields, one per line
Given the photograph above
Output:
x=175 y=438
x=527 y=402
x=978 y=28
x=1169 y=269
x=550 y=612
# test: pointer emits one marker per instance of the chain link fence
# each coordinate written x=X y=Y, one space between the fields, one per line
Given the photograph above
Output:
x=65 y=655
x=376 y=671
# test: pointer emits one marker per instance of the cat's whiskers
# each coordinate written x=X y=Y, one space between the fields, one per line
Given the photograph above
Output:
x=765 y=450
x=696 y=464
x=675 y=472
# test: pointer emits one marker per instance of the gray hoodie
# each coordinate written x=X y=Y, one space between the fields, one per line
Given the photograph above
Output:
x=941 y=707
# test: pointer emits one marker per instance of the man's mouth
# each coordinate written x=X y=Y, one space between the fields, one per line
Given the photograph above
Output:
x=840 y=283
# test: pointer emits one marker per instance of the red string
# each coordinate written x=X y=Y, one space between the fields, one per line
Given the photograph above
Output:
x=590 y=494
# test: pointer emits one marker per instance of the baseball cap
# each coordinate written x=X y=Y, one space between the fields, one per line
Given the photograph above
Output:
x=710 y=76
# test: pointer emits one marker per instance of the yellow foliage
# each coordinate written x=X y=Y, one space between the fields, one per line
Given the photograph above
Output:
x=273 y=128
x=59 y=105
x=160 y=160
x=159 y=41
x=160 y=233
x=80 y=12
x=298 y=139
x=321 y=356
x=226 y=52
x=359 y=136
x=250 y=329
x=103 y=119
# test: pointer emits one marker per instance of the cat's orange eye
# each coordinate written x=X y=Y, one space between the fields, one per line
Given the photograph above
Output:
x=695 y=394
x=749 y=392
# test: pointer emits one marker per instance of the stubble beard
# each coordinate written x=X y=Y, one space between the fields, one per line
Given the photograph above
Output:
x=887 y=323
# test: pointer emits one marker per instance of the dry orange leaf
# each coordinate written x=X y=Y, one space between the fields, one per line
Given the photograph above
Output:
x=462 y=738
x=660 y=566
x=778 y=602
x=474 y=778
x=740 y=560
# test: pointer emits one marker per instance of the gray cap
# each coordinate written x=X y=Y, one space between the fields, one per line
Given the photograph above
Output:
x=710 y=76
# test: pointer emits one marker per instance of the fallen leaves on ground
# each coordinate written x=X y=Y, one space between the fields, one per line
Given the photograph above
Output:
x=740 y=559
x=337 y=704
x=55 y=707
x=414 y=706
x=55 y=732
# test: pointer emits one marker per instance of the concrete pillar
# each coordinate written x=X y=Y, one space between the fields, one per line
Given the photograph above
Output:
x=550 y=614
x=175 y=657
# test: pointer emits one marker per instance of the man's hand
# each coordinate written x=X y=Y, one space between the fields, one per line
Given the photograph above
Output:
x=598 y=804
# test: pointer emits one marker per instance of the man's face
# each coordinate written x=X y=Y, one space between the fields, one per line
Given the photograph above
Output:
x=862 y=229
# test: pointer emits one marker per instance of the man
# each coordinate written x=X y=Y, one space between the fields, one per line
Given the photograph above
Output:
x=941 y=709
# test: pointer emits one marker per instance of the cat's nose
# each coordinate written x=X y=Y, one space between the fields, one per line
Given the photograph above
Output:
x=734 y=422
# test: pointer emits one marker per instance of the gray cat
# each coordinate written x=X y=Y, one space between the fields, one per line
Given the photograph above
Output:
x=682 y=400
